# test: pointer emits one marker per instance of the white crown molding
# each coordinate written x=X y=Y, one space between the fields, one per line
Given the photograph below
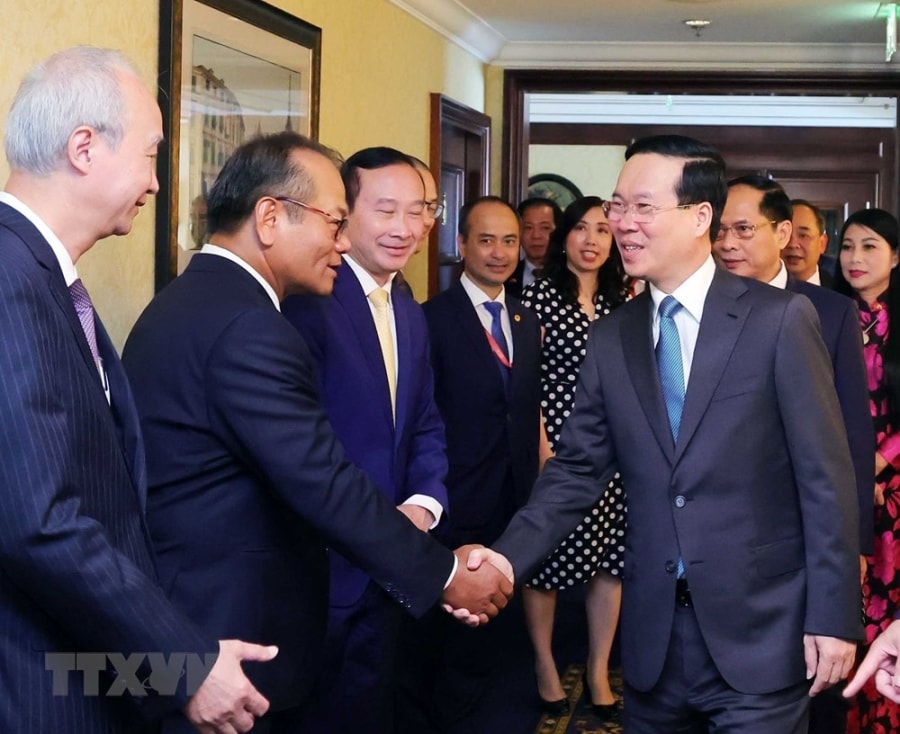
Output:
x=458 y=24
x=700 y=55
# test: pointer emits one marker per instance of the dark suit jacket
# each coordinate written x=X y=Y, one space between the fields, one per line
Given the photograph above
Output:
x=839 y=318
x=247 y=480
x=756 y=496
x=489 y=433
x=403 y=459
x=514 y=284
x=76 y=569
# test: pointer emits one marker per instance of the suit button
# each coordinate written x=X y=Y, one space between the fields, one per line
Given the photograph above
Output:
x=671 y=566
x=680 y=501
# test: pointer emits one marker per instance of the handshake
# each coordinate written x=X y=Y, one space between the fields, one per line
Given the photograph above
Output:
x=481 y=586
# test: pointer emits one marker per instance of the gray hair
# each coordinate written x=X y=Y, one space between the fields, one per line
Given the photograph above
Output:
x=79 y=86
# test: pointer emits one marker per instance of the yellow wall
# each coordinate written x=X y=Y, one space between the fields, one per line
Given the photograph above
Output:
x=379 y=65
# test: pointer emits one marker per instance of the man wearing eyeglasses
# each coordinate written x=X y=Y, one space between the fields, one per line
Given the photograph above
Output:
x=247 y=481
x=370 y=344
x=755 y=234
x=741 y=591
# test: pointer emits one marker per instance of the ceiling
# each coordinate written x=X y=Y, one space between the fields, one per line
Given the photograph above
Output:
x=646 y=33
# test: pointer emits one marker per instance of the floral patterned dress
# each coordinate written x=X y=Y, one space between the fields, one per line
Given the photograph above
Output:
x=598 y=541
x=870 y=712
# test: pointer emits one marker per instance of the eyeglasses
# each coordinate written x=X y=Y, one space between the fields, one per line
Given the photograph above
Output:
x=641 y=212
x=742 y=231
x=434 y=209
x=341 y=223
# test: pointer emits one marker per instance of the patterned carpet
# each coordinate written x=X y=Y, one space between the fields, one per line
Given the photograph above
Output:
x=581 y=720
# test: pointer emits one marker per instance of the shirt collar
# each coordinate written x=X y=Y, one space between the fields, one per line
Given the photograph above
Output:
x=478 y=296
x=781 y=279
x=365 y=279
x=59 y=250
x=209 y=249
x=691 y=294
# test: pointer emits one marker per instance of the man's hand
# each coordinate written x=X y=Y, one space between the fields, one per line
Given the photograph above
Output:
x=829 y=659
x=479 y=555
x=478 y=592
x=226 y=701
x=418 y=516
x=881 y=660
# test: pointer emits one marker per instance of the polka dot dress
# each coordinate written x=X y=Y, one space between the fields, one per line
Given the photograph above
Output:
x=598 y=543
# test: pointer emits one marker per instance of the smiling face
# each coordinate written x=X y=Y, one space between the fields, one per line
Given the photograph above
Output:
x=123 y=177
x=866 y=261
x=589 y=242
x=758 y=257
x=305 y=255
x=387 y=221
x=491 y=247
x=667 y=250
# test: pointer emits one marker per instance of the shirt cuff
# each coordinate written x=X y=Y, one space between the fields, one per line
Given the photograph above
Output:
x=429 y=503
x=452 y=572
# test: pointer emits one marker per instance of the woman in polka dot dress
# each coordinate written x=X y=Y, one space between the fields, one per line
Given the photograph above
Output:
x=583 y=280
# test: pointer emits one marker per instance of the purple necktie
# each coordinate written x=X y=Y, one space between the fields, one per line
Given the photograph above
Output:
x=85 y=310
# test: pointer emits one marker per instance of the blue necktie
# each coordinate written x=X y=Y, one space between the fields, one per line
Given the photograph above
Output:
x=495 y=309
x=671 y=373
x=668 y=360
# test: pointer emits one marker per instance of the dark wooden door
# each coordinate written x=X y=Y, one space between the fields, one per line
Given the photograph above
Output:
x=460 y=155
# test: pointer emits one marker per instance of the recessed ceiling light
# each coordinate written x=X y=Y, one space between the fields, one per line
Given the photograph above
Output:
x=697 y=23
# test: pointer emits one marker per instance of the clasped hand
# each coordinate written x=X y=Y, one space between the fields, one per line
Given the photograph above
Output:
x=481 y=587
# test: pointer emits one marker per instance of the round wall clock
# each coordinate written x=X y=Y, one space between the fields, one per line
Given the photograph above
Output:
x=553 y=187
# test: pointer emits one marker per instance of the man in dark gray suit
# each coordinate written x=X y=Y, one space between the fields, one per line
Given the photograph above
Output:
x=77 y=573
x=741 y=577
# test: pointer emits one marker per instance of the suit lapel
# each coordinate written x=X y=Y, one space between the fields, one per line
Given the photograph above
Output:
x=473 y=330
x=404 y=359
x=349 y=296
x=637 y=345
x=723 y=319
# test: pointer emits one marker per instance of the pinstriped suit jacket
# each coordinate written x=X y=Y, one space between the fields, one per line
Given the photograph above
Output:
x=76 y=570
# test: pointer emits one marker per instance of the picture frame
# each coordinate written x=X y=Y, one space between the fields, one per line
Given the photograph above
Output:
x=554 y=187
x=228 y=70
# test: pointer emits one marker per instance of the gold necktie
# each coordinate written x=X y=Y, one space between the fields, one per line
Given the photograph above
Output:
x=379 y=298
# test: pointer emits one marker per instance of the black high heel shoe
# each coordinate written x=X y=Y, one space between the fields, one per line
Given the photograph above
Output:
x=554 y=708
x=603 y=711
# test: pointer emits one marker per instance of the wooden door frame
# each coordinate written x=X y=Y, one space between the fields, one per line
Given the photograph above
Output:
x=447 y=111
x=518 y=83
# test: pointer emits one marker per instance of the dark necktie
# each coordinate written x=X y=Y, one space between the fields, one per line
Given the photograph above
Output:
x=495 y=309
x=668 y=360
x=85 y=310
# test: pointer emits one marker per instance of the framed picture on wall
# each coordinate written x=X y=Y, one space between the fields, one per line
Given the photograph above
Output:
x=229 y=70
x=553 y=187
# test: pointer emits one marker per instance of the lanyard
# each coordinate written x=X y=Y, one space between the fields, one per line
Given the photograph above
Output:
x=498 y=352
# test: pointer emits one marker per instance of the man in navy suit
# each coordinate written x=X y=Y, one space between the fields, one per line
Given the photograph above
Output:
x=77 y=572
x=487 y=388
x=378 y=393
x=247 y=479
x=741 y=590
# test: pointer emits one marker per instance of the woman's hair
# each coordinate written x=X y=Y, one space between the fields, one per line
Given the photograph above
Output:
x=885 y=225
x=611 y=281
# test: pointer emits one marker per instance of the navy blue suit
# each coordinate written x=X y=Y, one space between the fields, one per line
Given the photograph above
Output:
x=248 y=481
x=492 y=436
x=839 y=318
x=492 y=444
x=402 y=459
x=76 y=566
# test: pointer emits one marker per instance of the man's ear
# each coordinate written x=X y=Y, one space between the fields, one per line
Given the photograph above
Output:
x=265 y=214
x=704 y=214
x=79 y=148
x=783 y=231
